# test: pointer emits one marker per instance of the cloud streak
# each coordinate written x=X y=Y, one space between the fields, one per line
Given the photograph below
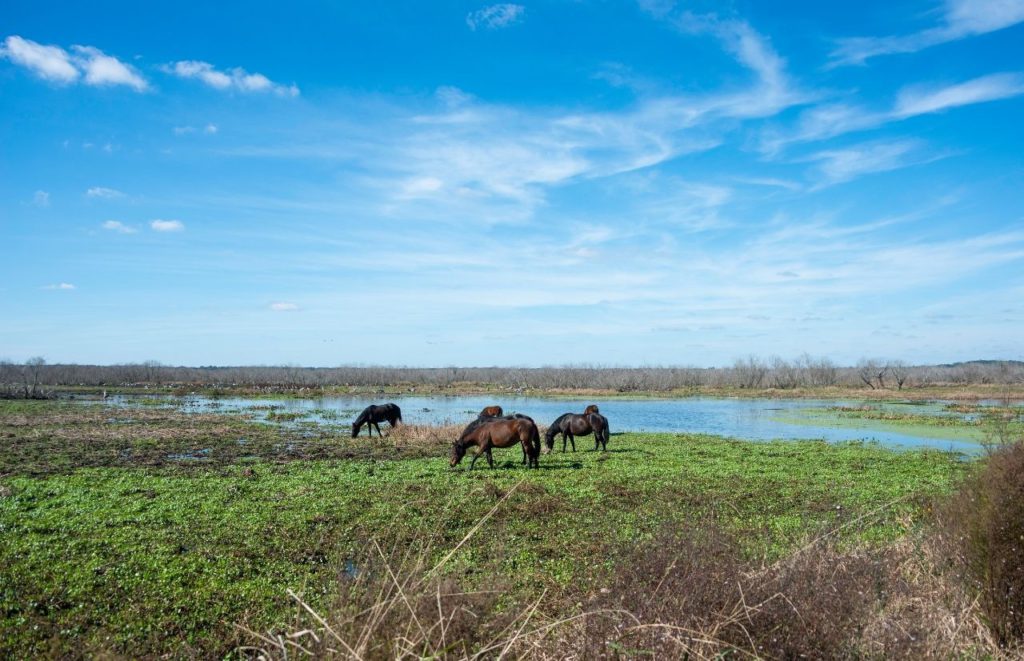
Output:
x=961 y=19
x=103 y=193
x=830 y=120
x=495 y=17
x=837 y=166
x=118 y=226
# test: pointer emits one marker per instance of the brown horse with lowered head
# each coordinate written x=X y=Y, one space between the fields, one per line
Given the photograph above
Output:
x=571 y=425
x=489 y=433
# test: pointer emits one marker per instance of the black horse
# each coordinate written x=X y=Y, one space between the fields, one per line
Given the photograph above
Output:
x=570 y=425
x=375 y=413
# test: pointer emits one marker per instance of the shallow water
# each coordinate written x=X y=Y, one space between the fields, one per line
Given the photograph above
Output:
x=750 y=419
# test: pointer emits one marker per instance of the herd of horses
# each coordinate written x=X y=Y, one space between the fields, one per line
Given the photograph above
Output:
x=493 y=429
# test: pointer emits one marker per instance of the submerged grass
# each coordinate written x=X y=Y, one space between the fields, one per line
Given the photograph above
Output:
x=146 y=532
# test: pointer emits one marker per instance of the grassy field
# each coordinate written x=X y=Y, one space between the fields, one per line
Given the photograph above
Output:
x=150 y=531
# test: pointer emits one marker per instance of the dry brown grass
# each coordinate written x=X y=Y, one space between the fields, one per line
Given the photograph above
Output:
x=691 y=593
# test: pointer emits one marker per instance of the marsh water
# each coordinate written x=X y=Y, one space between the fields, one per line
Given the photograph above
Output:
x=749 y=419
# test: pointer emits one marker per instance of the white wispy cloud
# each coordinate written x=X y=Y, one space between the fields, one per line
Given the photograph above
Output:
x=48 y=62
x=237 y=79
x=841 y=165
x=63 y=286
x=209 y=129
x=774 y=90
x=41 y=199
x=88 y=64
x=961 y=19
x=501 y=15
x=167 y=225
x=284 y=306
x=118 y=226
x=833 y=119
x=104 y=193
x=922 y=100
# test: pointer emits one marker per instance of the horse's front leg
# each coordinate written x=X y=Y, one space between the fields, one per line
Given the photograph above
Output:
x=490 y=459
x=572 y=439
x=479 y=451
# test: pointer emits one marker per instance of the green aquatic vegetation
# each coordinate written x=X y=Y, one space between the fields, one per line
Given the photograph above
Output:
x=913 y=418
x=286 y=416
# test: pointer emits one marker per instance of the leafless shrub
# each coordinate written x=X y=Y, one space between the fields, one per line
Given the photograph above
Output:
x=984 y=535
x=785 y=375
x=749 y=372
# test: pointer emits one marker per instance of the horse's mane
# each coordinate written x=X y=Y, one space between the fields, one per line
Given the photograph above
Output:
x=553 y=429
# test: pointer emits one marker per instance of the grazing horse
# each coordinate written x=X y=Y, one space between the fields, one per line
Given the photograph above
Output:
x=375 y=413
x=489 y=433
x=570 y=425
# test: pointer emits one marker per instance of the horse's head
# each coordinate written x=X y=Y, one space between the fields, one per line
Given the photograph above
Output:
x=549 y=439
x=355 y=429
x=457 y=453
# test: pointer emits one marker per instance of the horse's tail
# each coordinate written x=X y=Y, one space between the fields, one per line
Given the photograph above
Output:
x=535 y=433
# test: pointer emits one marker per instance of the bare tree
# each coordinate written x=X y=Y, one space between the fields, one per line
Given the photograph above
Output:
x=870 y=371
x=900 y=372
x=31 y=371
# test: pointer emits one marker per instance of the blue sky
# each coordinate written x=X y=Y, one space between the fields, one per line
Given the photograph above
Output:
x=534 y=183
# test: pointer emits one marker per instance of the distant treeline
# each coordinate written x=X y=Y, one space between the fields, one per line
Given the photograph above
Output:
x=34 y=377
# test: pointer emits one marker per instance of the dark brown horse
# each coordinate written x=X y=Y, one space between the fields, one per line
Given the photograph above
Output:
x=375 y=413
x=489 y=433
x=571 y=425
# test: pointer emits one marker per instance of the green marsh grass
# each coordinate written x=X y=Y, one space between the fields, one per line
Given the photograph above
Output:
x=144 y=532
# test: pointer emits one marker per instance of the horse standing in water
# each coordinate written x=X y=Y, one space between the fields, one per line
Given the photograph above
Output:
x=570 y=425
x=487 y=433
x=375 y=413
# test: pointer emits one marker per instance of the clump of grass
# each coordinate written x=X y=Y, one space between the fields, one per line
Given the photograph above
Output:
x=425 y=435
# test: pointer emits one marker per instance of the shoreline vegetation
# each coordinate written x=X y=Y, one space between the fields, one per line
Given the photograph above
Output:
x=804 y=377
x=147 y=531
